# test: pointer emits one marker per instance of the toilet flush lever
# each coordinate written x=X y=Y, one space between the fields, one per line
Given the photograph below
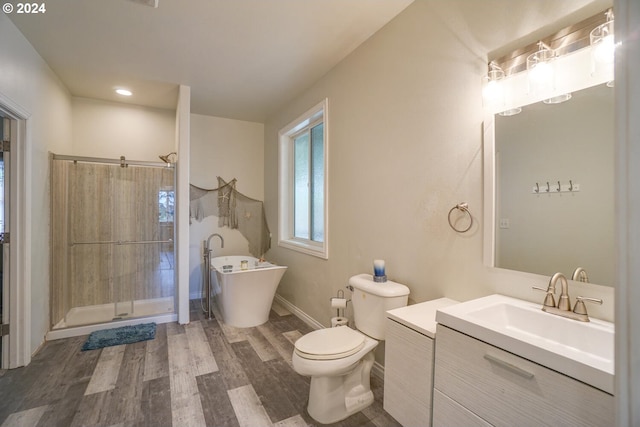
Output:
x=349 y=287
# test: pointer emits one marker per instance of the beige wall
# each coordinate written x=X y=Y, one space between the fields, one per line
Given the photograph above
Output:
x=229 y=149
x=29 y=82
x=110 y=130
x=404 y=147
x=405 y=137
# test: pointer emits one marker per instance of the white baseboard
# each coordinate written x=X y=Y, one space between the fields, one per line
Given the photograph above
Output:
x=299 y=313
x=377 y=370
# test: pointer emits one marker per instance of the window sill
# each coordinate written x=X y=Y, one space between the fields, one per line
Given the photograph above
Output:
x=319 y=250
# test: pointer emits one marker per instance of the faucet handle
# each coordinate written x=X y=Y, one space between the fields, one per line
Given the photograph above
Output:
x=549 y=300
x=580 y=308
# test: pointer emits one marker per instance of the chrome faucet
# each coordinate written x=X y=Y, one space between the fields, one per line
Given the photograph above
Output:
x=207 y=246
x=563 y=308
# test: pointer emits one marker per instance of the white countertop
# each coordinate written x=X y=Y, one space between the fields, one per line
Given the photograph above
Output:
x=581 y=350
x=420 y=317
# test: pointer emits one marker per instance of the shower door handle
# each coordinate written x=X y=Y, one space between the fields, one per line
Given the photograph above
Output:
x=123 y=242
x=144 y=242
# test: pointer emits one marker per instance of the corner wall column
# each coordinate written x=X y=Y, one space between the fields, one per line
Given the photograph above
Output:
x=183 y=132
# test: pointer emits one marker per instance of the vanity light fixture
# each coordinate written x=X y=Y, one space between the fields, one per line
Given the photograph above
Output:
x=602 y=40
x=603 y=47
x=558 y=99
x=124 y=92
x=540 y=69
x=510 y=112
x=493 y=89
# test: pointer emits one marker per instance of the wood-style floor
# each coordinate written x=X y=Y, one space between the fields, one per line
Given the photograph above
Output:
x=204 y=373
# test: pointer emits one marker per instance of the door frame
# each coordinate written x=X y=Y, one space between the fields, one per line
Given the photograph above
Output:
x=18 y=303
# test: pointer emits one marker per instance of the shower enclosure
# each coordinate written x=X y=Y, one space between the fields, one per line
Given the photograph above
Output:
x=112 y=234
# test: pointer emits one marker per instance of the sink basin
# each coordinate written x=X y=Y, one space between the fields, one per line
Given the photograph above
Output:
x=582 y=350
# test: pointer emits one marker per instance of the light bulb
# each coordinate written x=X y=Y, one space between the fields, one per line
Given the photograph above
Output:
x=604 y=49
x=541 y=72
x=492 y=91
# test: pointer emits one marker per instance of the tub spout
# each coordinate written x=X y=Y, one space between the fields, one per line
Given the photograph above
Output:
x=208 y=245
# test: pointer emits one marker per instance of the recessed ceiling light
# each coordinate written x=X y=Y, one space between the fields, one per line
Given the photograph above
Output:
x=124 y=92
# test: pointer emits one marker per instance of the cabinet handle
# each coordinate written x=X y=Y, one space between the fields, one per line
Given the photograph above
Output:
x=509 y=366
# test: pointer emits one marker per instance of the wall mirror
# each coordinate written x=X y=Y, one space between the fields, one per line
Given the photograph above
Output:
x=546 y=148
x=549 y=176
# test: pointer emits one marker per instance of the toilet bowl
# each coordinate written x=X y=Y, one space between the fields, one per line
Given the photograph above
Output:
x=339 y=360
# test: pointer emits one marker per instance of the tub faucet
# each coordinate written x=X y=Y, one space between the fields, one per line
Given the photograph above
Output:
x=564 y=303
x=207 y=247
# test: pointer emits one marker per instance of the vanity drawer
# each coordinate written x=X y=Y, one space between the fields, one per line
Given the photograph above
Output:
x=507 y=390
x=447 y=413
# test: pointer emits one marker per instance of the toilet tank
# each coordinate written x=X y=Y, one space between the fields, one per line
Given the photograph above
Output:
x=371 y=300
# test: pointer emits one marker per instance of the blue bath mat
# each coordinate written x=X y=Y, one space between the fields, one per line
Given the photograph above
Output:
x=118 y=336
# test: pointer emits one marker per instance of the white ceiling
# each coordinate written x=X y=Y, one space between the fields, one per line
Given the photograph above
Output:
x=243 y=59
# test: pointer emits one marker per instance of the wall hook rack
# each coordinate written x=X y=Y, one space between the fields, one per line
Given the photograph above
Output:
x=571 y=187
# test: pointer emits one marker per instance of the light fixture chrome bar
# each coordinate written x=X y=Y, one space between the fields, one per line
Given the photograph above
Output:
x=564 y=41
x=543 y=46
x=111 y=161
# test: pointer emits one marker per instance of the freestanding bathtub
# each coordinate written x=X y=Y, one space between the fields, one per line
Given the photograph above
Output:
x=244 y=291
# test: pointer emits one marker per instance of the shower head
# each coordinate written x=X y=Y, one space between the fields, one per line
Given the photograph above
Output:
x=169 y=158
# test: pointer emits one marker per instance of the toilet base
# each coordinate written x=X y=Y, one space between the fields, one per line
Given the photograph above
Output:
x=333 y=399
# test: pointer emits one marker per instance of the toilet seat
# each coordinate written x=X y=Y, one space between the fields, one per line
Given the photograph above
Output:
x=330 y=343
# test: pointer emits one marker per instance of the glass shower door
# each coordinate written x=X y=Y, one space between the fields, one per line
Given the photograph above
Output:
x=113 y=242
x=143 y=213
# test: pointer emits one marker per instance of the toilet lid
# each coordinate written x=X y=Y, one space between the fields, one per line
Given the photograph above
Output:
x=330 y=343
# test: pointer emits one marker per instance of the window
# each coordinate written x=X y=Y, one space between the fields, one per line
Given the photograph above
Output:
x=303 y=181
x=166 y=205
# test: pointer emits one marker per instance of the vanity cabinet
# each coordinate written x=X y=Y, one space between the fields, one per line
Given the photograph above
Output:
x=477 y=384
x=409 y=352
x=408 y=375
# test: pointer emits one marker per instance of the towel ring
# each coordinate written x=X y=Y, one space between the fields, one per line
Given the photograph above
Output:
x=464 y=207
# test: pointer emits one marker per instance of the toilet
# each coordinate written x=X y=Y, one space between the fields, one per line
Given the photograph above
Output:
x=339 y=360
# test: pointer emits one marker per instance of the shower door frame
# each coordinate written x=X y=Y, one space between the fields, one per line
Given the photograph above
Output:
x=122 y=162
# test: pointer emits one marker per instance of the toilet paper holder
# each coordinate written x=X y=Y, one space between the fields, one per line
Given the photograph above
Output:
x=339 y=302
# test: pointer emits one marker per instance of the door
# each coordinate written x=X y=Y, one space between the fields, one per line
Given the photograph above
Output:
x=5 y=131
